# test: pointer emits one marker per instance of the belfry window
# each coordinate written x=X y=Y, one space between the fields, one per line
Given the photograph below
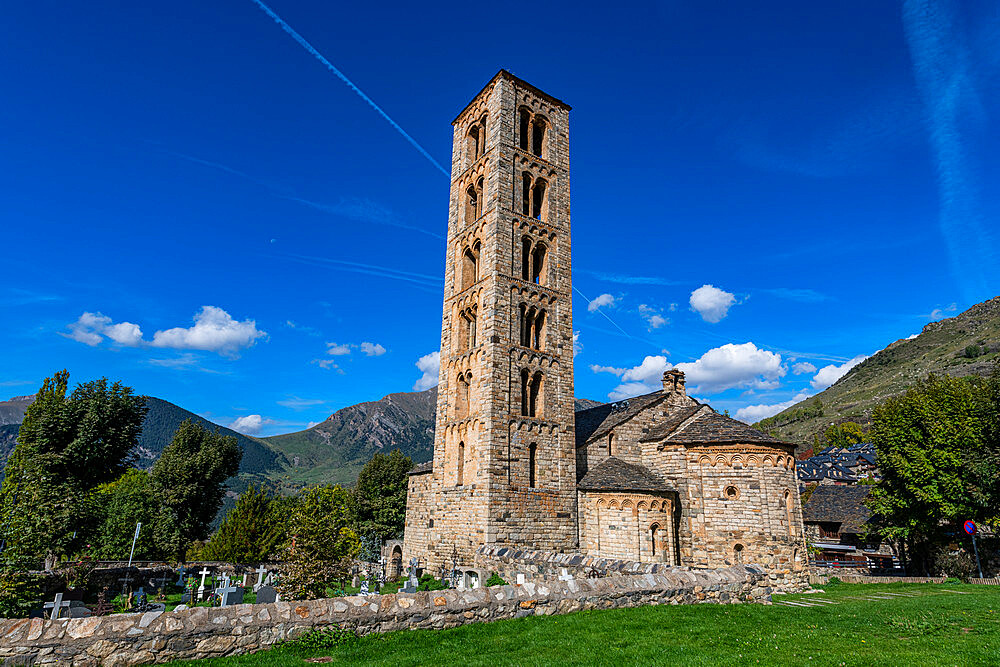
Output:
x=526 y=194
x=473 y=142
x=460 y=467
x=471 y=204
x=537 y=339
x=532 y=452
x=526 y=258
x=535 y=395
x=538 y=265
x=482 y=137
x=525 y=382
x=523 y=128
x=538 y=199
x=537 y=136
x=611 y=444
x=462 y=399
x=470 y=260
x=531 y=327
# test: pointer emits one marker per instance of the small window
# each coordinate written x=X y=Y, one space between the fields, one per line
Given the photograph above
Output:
x=611 y=444
x=738 y=553
x=731 y=493
x=524 y=392
x=537 y=136
x=469 y=268
x=538 y=267
x=523 y=128
x=535 y=395
x=654 y=536
x=526 y=193
x=538 y=199
x=532 y=451
x=482 y=137
x=460 y=470
x=525 y=258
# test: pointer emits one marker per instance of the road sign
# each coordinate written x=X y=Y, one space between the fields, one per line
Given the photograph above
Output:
x=970 y=527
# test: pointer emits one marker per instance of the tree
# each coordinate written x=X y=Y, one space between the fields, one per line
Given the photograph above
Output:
x=251 y=532
x=117 y=507
x=67 y=445
x=939 y=455
x=322 y=542
x=187 y=482
x=380 y=495
x=844 y=434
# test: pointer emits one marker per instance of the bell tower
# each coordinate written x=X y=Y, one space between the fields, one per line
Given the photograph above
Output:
x=504 y=469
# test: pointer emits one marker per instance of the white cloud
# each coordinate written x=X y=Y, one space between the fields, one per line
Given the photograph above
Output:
x=429 y=365
x=652 y=316
x=338 y=350
x=328 y=364
x=912 y=336
x=297 y=403
x=372 y=349
x=803 y=367
x=828 y=375
x=607 y=369
x=641 y=379
x=250 y=424
x=754 y=413
x=214 y=330
x=730 y=366
x=939 y=313
x=91 y=328
x=711 y=303
x=600 y=300
x=577 y=345
x=311 y=424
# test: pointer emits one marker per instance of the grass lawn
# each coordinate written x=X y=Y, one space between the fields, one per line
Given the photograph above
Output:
x=935 y=627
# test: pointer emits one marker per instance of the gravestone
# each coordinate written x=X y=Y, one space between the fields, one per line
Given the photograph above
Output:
x=246 y=580
x=201 y=589
x=78 y=612
x=185 y=598
x=355 y=581
x=412 y=582
x=261 y=571
x=180 y=578
x=267 y=595
x=181 y=607
x=230 y=595
x=56 y=606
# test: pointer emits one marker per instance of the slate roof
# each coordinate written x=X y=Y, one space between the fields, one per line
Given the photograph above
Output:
x=838 y=504
x=422 y=468
x=613 y=474
x=598 y=421
x=672 y=422
x=711 y=427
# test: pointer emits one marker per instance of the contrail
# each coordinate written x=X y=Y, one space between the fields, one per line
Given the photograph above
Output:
x=340 y=75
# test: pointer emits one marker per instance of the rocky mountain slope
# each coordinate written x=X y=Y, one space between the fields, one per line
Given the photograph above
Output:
x=967 y=344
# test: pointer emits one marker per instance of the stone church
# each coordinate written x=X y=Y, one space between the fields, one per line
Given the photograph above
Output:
x=657 y=478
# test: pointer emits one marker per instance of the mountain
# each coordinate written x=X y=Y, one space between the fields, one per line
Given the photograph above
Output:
x=162 y=419
x=335 y=450
x=967 y=344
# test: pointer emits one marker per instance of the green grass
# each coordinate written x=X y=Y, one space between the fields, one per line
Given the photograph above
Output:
x=938 y=628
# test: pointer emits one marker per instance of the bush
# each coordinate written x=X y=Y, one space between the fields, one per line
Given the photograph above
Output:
x=427 y=582
x=973 y=351
x=321 y=638
x=495 y=580
x=19 y=593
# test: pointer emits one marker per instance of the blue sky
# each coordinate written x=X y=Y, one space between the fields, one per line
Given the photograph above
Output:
x=762 y=193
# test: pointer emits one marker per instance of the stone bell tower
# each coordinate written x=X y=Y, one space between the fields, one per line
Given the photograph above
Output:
x=504 y=469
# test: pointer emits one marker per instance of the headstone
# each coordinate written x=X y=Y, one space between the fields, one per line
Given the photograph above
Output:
x=246 y=580
x=56 y=606
x=230 y=595
x=266 y=595
x=355 y=581
x=261 y=571
x=181 y=607
x=140 y=597
x=185 y=598
x=78 y=612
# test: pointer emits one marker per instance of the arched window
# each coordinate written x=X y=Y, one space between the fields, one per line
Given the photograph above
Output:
x=525 y=324
x=472 y=144
x=472 y=328
x=526 y=193
x=538 y=265
x=788 y=512
x=654 y=536
x=460 y=468
x=479 y=198
x=738 y=553
x=535 y=396
x=524 y=392
x=537 y=136
x=462 y=399
x=538 y=199
x=538 y=331
x=611 y=444
x=532 y=451
x=523 y=128
x=525 y=258
x=471 y=204
x=469 y=268
x=482 y=136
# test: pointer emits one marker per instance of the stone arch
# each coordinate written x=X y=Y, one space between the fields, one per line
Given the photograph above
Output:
x=613 y=504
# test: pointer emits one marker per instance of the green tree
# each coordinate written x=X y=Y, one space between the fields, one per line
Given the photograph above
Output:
x=251 y=532
x=380 y=495
x=116 y=507
x=322 y=543
x=939 y=457
x=67 y=445
x=844 y=434
x=187 y=482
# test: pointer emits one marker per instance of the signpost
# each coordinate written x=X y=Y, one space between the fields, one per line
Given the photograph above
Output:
x=970 y=528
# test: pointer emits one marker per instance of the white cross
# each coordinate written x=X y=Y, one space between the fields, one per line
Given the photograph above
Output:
x=261 y=571
x=204 y=573
x=56 y=605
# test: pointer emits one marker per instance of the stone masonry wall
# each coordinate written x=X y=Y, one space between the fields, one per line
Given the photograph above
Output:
x=134 y=639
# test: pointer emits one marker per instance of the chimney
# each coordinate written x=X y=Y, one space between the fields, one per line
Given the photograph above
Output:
x=673 y=383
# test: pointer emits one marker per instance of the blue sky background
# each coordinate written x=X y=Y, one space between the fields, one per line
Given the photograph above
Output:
x=228 y=213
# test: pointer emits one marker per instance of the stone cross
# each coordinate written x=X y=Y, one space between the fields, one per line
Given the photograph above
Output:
x=224 y=582
x=56 y=605
x=180 y=578
x=261 y=571
x=204 y=573
x=230 y=595
x=246 y=579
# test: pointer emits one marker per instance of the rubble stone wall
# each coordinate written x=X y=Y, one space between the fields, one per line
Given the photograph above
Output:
x=202 y=632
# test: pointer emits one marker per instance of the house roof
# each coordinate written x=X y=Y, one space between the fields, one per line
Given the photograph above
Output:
x=598 y=421
x=422 y=468
x=673 y=421
x=838 y=504
x=613 y=474
x=710 y=427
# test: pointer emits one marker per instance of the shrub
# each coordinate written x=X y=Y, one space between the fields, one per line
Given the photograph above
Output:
x=495 y=580
x=19 y=592
x=321 y=638
x=973 y=351
x=427 y=582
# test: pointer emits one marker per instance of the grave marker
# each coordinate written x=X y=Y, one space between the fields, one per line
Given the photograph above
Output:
x=56 y=606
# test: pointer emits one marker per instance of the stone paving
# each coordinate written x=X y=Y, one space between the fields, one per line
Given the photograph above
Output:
x=813 y=600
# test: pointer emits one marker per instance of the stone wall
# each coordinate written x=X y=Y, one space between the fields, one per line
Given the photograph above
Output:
x=133 y=639
x=632 y=526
